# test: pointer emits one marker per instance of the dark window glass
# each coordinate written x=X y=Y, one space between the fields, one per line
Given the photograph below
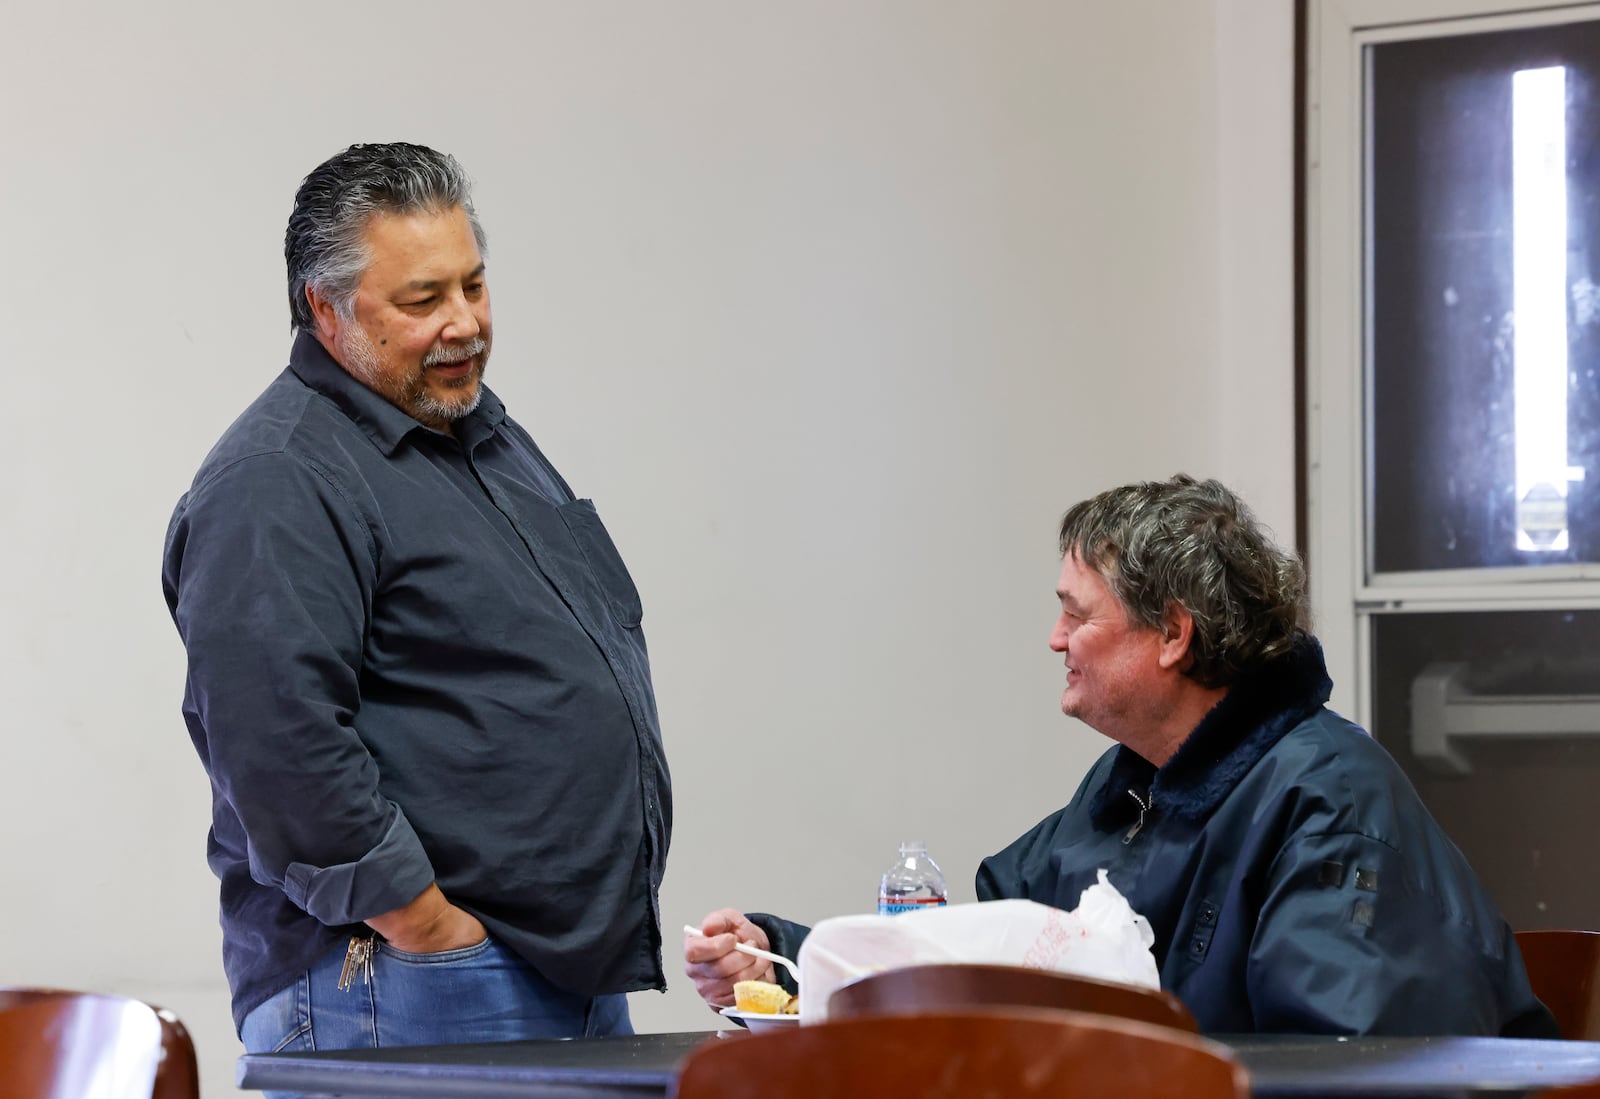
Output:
x=1449 y=486
x=1524 y=811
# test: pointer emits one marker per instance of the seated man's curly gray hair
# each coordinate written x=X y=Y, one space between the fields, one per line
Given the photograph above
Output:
x=1195 y=544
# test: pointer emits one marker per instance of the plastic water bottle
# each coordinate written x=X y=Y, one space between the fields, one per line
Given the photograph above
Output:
x=914 y=882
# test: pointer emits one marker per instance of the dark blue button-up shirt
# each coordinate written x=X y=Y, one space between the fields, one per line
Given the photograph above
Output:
x=414 y=657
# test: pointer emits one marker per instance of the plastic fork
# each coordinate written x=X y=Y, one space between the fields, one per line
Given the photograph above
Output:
x=756 y=952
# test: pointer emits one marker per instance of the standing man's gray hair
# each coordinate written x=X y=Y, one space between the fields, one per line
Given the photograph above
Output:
x=325 y=247
x=1196 y=544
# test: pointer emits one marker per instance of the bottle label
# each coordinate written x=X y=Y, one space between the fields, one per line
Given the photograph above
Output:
x=907 y=904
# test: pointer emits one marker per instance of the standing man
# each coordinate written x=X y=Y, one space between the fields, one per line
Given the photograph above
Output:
x=416 y=675
x=1294 y=880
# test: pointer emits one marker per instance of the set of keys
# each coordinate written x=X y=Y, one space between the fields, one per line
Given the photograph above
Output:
x=357 y=959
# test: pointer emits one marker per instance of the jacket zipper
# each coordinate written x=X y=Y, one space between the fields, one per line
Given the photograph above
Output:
x=1144 y=807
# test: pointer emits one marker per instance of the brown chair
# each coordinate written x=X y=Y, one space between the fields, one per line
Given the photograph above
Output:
x=1571 y=1091
x=1017 y=1052
x=919 y=988
x=55 y=1044
x=1562 y=967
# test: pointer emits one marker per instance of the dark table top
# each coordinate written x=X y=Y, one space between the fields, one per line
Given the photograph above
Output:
x=647 y=1064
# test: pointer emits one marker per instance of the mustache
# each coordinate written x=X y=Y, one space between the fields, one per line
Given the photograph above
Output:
x=443 y=356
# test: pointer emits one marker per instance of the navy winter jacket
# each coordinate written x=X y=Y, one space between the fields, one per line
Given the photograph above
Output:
x=1294 y=880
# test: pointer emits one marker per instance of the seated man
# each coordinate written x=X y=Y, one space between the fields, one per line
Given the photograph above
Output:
x=1294 y=880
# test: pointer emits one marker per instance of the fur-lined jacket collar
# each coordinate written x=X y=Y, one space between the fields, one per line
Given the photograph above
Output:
x=1253 y=716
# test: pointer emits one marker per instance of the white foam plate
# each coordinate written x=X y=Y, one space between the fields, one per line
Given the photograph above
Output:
x=757 y=1021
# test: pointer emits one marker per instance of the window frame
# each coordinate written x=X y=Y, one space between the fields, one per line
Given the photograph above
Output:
x=1338 y=351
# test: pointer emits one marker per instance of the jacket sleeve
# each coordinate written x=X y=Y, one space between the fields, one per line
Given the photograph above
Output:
x=1011 y=873
x=1348 y=942
x=269 y=574
x=1024 y=870
x=783 y=937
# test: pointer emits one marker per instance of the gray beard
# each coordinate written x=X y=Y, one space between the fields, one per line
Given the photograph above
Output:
x=361 y=356
x=429 y=405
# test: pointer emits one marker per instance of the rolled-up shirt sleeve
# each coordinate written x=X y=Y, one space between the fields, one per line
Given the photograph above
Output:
x=270 y=576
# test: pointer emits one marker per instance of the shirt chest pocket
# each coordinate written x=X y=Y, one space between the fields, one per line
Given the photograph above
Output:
x=603 y=561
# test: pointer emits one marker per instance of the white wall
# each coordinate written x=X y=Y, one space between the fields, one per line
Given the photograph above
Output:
x=833 y=307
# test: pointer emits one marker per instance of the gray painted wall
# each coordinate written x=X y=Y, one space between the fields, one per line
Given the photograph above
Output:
x=832 y=307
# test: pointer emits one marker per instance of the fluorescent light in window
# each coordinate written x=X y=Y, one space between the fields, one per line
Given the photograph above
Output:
x=1539 y=302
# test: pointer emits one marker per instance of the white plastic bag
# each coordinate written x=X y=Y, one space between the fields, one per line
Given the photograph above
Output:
x=1103 y=937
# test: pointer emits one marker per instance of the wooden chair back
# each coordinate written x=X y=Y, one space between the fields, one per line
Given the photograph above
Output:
x=920 y=988
x=1019 y=1053
x=56 y=1044
x=1562 y=968
x=1570 y=1091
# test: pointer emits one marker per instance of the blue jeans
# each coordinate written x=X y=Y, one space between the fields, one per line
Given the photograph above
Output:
x=481 y=993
